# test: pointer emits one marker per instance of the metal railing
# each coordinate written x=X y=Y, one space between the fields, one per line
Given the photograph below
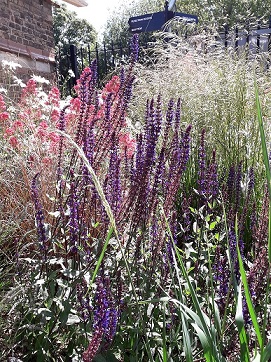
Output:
x=71 y=60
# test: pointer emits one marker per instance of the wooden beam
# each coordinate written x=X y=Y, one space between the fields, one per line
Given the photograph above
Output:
x=78 y=3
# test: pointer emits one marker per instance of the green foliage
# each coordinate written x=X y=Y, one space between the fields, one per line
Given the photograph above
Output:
x=166 y=276
x=69 y=29
x=48 y=327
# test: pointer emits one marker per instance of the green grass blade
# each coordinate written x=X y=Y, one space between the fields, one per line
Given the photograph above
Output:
x=241 y=328
x=265 y=159
x=110 y=232
x=266 y=355
x=164 y=337
x=248 y=297
x=208 y=341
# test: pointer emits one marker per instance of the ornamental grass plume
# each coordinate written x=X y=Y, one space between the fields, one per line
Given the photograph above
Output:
x=216 y=88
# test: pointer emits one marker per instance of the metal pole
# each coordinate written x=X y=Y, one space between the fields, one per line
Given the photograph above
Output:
x=226 y=27
x=258 y=37
x=166 y=11
x=73 y=60
x=236 y=39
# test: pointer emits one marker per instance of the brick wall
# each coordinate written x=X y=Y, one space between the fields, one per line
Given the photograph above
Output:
x=26 y=36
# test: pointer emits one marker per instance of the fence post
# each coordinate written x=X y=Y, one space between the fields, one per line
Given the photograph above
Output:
x=236 y=39
x=82 y=58
x=73 y=60
x=269 y=36
x=258 y=37
x=226 y=27
x=113 y=54
x=98 y=62
x=105 y=59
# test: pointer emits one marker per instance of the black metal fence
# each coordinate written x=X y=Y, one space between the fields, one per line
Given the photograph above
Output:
x=72 y=60
x=255 y=40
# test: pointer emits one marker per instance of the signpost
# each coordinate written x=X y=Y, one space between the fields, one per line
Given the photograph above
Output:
x=148 y=22
x=156 y=21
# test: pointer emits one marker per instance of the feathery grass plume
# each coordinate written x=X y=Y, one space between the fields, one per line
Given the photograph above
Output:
x=217 y=90
x=39 y=216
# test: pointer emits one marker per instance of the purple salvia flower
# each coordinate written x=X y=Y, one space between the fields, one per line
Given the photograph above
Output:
x=101 y=303
x=221 y=277
x=122 y=77
x=212 y=184
x=111 y=316
x=134 y=49
x=159 y=114
x=139 y=162
x=94 y=73
x=127 y=94
x=174 y=178
x=178 y=115
x=154 y=235
x=150 y=138
x=61 y=127
x=39 y=216
x=186 y=218
x=94 y=345
x=231 y=183
x=105 y=313
x=202 y=166
x=233 y=251
x=157 y=180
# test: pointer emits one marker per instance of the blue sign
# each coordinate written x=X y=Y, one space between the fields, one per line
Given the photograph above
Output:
x=187 y=17
x=156 y=21
x=148 y=22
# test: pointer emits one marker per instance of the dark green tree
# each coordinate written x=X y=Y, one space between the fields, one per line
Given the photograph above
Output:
x=69 y=29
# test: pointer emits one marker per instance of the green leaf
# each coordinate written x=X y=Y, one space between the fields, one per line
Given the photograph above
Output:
x=241 y=328
x=248 y=296
x=266 y=356
x=265 y=159
x=212 y=225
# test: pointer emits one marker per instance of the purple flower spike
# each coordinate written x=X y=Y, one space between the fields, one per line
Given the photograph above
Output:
x=222 y=278
x=134 y=49
x=202 y=165
x=104 y=320
x=93 y=346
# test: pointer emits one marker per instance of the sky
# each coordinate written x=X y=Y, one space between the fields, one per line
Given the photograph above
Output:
x=97 y=11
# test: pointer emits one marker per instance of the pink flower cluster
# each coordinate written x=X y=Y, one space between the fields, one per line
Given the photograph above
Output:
x=28 y=129
x=4 y=115
x=126 y=141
